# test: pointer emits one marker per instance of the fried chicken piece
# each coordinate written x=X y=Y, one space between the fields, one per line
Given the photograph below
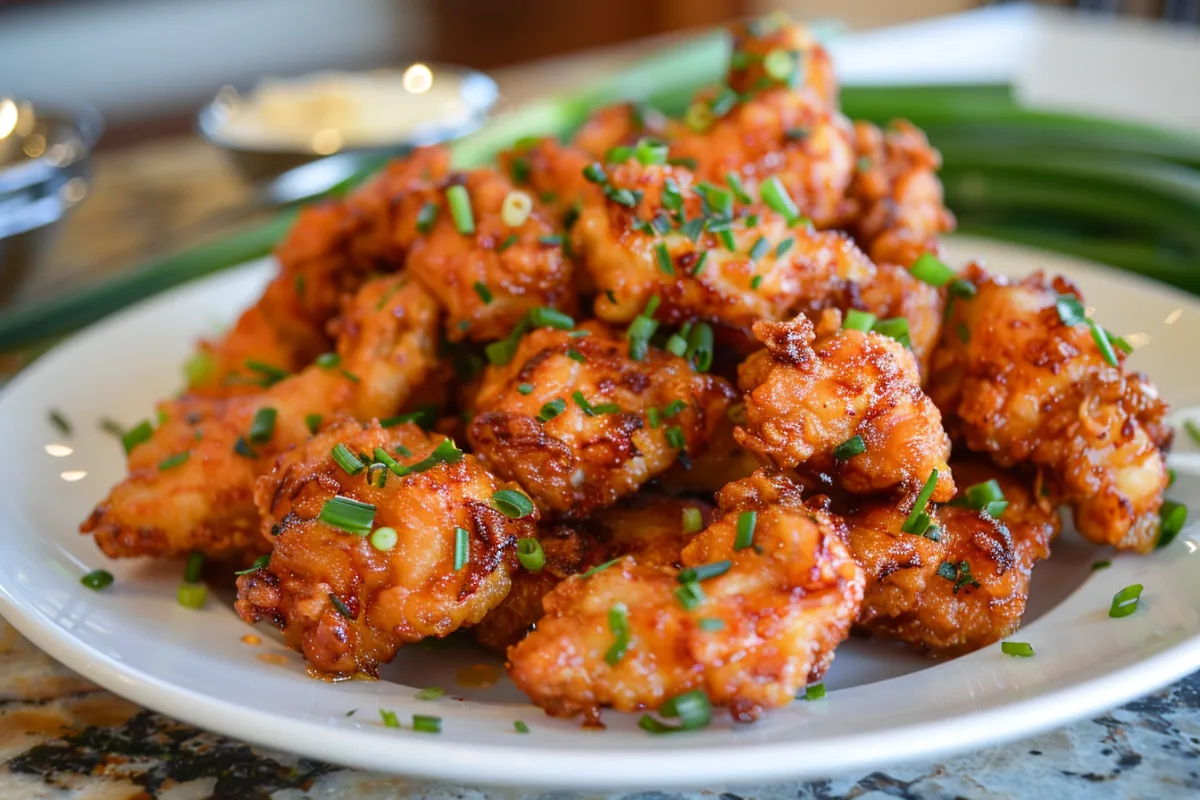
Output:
x=615 y=125
x=898 y=208
x=725 y=461
x=1016 y=382
x=553 y=173
x=331 y=249
x=488 y=279
x=647 y=527
x=773 y=270
x=572 y=418
x=894 y=292
x=963 y=590
x=755 y=39
x=782 y=605
x=780 y=133
x=806 y=396
x=349 y=606
x=388 y=350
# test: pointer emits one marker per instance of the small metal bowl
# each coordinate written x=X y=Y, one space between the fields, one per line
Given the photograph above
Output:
x=45 y=171
x=263 y=160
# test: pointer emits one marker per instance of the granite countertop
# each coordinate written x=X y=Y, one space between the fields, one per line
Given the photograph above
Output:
x=63 y=737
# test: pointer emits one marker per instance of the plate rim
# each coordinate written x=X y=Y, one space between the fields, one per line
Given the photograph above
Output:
x=581 y=768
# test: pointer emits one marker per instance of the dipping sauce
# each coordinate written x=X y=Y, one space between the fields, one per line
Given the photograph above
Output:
x=250 y=638
x=275 y=659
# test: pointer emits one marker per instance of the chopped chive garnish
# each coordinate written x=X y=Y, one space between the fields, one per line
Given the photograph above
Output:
x=727 y=240
x=424 y=723
x=654 y=417
x=485 y=294
x=963 y=332
x=553 y=240
x=672 y=198
x=776 y=196
x=959 y=574
x=59 y=421
x=704 y=572
x=1070 y=310
x=690 y=595
x=725 y=100
x=551 y=410
x=258 y=564
x=312 y=422
x=641 y=329
x=575 y=355
x=424 y=417
x=445 y=453
x=719 y=200
x=243 y=448
x=462 y=547
x=618 y=154
x=856 y=320
x=760 y=248
x=348 y=514
x=651 y=151
x=193 y=568
x=595 y=173
x=784 y=247
x=512 y=504
x=520 y=727
x=850 y=448
x=262 y=427
x=1171 y=519
x=738 y=189
x=673 y=408
x=663 y=256
x=1125 y=602
x=676 y=345
x=814 y=692
x=346 y=460
x=430 y=693
x=692 y=228
x=779 y=64
x=525 y=388
x=271 y=373
x=583 y=404
x=426 y=217
x=693 y=710
x=191 y=595
x=746 y=523
x=618 y=623
x=460 y=209
x=328 y=360
x=696 y=270
x=1017 y=649
x=675 y=437
x=1097 y=565
x=931 y=270
x=600 y=567
x=137 y=435
x=693 y=520
x=377 y=475
x=530 y=554
x=700 y=347
x=384 y=539
x=97 y=579
x=173 y=461
x=918 y=520
x=112 y=427
x=756 y=281
x=1192 y=429
x=894 y=328
x=341 y=607
x=711 y=624
x=507 y=243
x=543 y=317
x=389 y=718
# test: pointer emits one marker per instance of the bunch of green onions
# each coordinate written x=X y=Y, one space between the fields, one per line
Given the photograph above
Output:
x=1117 y=193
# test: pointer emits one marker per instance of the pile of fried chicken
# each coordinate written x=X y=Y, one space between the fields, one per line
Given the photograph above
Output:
x=667 y=408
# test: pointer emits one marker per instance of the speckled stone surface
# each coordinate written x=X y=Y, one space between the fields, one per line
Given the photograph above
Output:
x=62 y=737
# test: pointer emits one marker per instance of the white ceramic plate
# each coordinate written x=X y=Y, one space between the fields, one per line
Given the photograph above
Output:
x=884 y=704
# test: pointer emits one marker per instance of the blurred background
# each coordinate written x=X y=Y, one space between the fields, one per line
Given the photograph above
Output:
x=153 y=185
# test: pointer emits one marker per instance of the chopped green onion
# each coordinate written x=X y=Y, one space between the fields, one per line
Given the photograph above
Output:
x=663 y=256
x=243 y=448
x=191 y=595
x=530 y=554
x=271 y=373
x=1125 y=602
x=595 y=173
x=929 y=269
x=425 y=418
x=746 y=523
x=554 y=240
x=704 y=572
x=856 y=320
x=97 y=579
x=760 y=248
x=641 y=329
x=1101 y=565
x=512 y=504
x=672 y=197
x=551 y=410
x=575 y=355
x=719 y=200
x=525 y=388
x=520 y=727
x=914 y=522
x=198 y=369
x=508 y=242
x=600 y=567
x=618 y=154
x=258 y=564
x=700 y=347
x=485 y=294
x=738 y=189
x=1070 y=310
x=692 y=228
x=1100 y=336
x=349 y=462
x=651 y=151
x=389 y=718
x=850 y=448
x=445 y=453
x=262 y=427
x=711 y=624
x=797 y=134
x=348 y=515
x=894 y=328
x=623 y=197
x=1171 y=519
x=377 y=475
x=424 y=723
x=696 y=270
x=784 y=247
x=693 y=710
x=173 y=461
x=690 y=595
x=776 y=196
x=426 y=217
x=815 y=691
x=725 y=100
x=676 y=345
x=516 y=208
x=959 y=574
x=543 y=317
x=59 y=421
x=756 y=281
x=460 y=209
x=312 y=422
x=618 y=623
x=193 y=568
x=1017 y=649
x=980 y=495
x=779 y=64
x=693 y=519
x=606 y=408
x=675 y=437
x=430 y=693
x=328 y=360
x=1192 y=429
x=136 y=435
x=384 y=539
x=462 y=547
x=699 y=117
